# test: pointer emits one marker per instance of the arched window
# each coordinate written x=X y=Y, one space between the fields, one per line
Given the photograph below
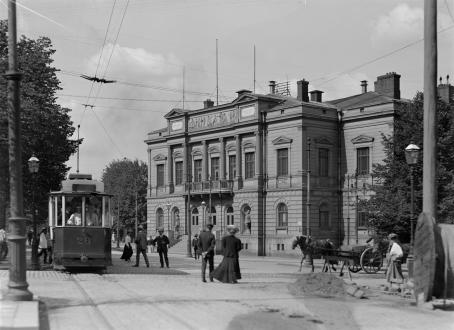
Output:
x=159 y=218
x=212 y=216
x=229 y=216
x=195 y=217
x=282 y=216
x=245 y=217
x=324 y=217
x=176 y=219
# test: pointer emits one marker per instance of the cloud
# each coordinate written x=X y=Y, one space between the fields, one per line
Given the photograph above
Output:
x=402 y=23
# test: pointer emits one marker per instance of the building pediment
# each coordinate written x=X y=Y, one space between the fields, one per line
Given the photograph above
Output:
x=196 y=152
x=248 y=145
x=177 y=154
x=323 y=140
x=362 y=139
x=213 y=149
x=174 y=113
x=159 y=157
x=282 y=140
x=245 y=98
x=231 y=147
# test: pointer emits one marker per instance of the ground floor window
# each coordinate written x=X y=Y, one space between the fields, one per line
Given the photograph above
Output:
x=229 y=216
x=195 y=217
x=159 y=218
x=282 y=216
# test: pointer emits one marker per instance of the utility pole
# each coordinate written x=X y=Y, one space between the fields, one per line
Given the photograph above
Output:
x=118 y=221
x=217 y=75
x=78 y=147
x=430 y=109
x=17 y=285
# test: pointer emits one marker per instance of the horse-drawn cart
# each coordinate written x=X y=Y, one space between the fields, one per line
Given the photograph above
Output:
x=365 y=257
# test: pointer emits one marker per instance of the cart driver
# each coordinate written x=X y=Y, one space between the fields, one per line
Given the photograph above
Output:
x=76 y=218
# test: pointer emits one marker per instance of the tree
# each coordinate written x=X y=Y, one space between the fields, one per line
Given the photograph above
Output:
x=389 y=207
x=124 y=179
x=46 y=126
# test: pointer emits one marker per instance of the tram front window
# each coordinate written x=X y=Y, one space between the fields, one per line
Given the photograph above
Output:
x=93 y=210
x=74 y=211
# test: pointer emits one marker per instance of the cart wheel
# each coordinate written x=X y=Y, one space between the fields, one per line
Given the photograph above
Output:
x=354 y=268
x=371 y=260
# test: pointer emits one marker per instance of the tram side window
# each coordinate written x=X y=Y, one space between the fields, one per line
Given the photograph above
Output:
x=57 y=200
x=107 y=212
x=93 y=211
x=73 y=209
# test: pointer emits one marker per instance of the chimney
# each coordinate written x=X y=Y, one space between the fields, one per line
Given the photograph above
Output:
x=363 y=86
x=389 y=85
x=272 y=87
x=446 y=91
x=303 y=88
x=208 y=104
x=316 y=96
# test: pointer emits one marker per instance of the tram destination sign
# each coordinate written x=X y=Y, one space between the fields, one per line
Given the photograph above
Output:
x=211 y=120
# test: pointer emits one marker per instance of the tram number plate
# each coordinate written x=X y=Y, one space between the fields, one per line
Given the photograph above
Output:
x=83 y=240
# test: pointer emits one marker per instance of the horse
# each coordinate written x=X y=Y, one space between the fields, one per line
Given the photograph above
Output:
x=310 y=248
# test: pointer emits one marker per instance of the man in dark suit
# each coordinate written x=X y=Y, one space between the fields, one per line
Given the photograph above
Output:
x=162 y=242
x=141 y=247
x=207 y=242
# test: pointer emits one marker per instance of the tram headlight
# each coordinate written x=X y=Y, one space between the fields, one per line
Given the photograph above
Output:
x=83 y=258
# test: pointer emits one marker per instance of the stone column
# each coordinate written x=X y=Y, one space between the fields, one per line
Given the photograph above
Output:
x=259 y=158
x=238 y=162
x=170 y=169
x=222 y=158
x=204 y=161
x=149 y=172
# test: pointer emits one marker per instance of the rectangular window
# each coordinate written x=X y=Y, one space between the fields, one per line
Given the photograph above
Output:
x=195 y=220
x=232 y=167
x=324 y=219
x=178 y=173
x=160 y=175
x=362 y=160
x=323 y=161
x=282 y=162
x=362 y=219
x=249 y=165
x=214 y=168
x=198 y=170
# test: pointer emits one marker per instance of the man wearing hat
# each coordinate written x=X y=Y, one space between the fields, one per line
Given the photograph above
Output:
x=162 y=242
x=207 y=242
x=141 y=247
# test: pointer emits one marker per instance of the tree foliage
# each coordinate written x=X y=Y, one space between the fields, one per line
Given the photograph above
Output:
x=124 y=179
x=390 y=206
x=46 y=126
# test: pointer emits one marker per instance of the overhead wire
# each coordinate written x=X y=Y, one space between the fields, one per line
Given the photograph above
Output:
x=100 y=57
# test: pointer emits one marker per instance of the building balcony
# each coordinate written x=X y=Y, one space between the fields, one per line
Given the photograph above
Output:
x=220 y=186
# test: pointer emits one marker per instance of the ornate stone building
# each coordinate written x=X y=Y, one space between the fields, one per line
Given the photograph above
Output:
x=247 y=163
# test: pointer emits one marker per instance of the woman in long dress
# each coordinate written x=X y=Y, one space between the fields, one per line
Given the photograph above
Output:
x=395 y=255
x=228 y=271
x=127 y=250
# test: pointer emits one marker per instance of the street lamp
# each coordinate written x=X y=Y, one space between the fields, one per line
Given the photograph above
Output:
x=411 y=156
x=204 y=206
x=168 y=217
x=33 y=167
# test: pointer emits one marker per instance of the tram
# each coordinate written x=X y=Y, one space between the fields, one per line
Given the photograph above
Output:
x=80 y=224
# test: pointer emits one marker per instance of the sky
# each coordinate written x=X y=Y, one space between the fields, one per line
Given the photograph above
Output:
x=154 y=49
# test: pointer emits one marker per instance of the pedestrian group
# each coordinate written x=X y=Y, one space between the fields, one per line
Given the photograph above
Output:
x=203 y=245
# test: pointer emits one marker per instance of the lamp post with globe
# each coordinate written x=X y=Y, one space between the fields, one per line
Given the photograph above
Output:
x=411 y=157
x=33 y=167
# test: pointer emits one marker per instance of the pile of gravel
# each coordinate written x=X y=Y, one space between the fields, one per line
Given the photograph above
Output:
x=318 y=284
